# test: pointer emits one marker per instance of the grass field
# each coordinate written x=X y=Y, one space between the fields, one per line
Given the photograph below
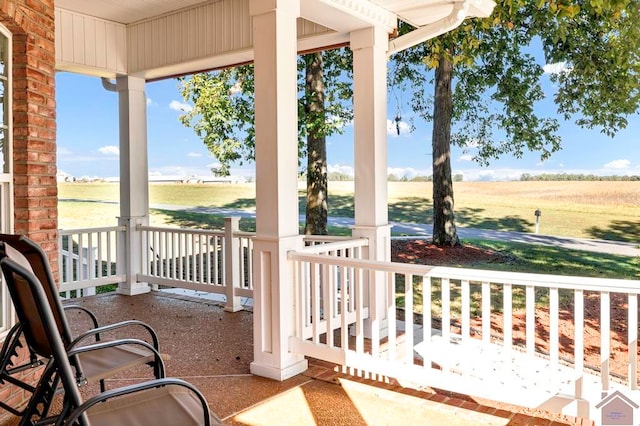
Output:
x=606 y=210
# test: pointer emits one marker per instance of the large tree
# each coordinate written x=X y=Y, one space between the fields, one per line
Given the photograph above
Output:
x=223 y=116
x=488 y=81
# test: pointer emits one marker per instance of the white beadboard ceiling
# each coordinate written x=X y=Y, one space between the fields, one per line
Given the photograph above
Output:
x=125 y=11
x=415 y=12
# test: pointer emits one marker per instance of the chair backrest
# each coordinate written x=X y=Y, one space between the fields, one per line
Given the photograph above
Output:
x=39 y=264
x=36 y=316
x=24 y=301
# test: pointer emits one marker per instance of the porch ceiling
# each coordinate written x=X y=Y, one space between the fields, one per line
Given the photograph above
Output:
x=415 y=12
x=161 y=38
x=125 y=11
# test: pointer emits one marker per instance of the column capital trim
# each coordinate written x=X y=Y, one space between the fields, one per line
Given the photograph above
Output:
x=128 y=82
x=369 y=37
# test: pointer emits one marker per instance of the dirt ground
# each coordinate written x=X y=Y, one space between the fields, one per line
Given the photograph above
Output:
x=423 y=252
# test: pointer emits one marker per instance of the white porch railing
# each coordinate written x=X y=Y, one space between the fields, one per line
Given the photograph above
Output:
x=87 y=259
x=182 y=258
x=466 y=344
x=199 y=260
x=431 y=320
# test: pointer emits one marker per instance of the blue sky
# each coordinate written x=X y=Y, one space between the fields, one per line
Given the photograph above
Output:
x=87 y=139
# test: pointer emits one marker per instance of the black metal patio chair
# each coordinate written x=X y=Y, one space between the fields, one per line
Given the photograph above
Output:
x=158 y=402
x=90 y=367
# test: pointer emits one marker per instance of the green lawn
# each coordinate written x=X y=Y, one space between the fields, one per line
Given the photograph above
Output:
x=573 y=209
x=606 y=210
x=538 y=259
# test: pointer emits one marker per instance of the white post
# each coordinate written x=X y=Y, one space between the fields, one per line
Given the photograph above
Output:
x=275 y=61
x=232 y=263
x=134 y=179
x=369 y=47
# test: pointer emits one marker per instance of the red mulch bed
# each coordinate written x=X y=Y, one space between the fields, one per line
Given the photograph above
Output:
x=421 y=251
x=424 y=253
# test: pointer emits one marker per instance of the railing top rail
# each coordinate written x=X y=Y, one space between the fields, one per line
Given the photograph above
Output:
x=244 y=234
x=613 y=285
x=373 y=265
x=324 y=238
x=91 y=230
x=180 y=230
x=477 y=275
x=336 y=245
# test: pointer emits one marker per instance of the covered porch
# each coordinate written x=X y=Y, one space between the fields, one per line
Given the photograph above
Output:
x=329 y=299
x=204 y=348
x=513 y=338
x=127 y=45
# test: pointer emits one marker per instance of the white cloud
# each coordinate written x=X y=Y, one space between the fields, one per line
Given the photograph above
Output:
x=618 y=164
x=213 y=165
x=174 y=172
x=557 y=68
x=506 y=174
x=465 y=157
x=109 y=150
x=180 y=106
x=150 y=102
x=408 y=172
x=194 y=154
x=64 y=151
x=340 y=168
x=402 y=127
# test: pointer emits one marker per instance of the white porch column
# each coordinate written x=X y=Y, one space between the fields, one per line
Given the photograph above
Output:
x=369 y=47
x=134 y=176
x=274 y=29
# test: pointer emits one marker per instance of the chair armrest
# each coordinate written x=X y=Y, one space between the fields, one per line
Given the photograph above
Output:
x=90 y=314
x=131 y=389
x=110 y=327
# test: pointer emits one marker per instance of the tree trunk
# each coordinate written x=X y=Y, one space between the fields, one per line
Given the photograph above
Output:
x=316 y=211
x=444 y=227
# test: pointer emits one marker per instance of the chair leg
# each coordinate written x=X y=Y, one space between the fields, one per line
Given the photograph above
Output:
x=7 y=369
x=10 y=346
x=43 y=395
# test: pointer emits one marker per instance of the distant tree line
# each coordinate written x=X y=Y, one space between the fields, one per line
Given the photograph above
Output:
x=575 y=177
x=394 y=178
x=337 y=176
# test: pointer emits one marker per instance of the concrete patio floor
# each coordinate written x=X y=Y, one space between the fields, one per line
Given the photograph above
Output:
x=212 y=349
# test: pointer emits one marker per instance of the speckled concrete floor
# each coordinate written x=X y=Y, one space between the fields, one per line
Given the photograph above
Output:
x=213 y=349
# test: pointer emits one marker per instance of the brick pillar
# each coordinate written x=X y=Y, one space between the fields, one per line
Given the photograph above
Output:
x=34 y=120
x=31 y=23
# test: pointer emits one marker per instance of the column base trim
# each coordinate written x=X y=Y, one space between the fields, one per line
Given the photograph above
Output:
x=279 y=374
x=133 y=291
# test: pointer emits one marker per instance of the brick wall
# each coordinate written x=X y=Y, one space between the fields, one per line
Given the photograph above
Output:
x=31 y=23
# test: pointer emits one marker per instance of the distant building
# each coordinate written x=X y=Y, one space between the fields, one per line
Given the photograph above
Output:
x=64 y=177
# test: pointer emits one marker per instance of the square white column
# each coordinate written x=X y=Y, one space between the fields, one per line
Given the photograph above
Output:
x=369 y=48
x=276 y=126
x=134 y=179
